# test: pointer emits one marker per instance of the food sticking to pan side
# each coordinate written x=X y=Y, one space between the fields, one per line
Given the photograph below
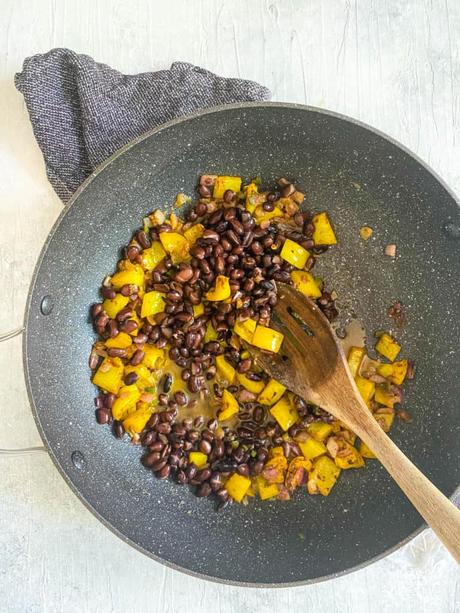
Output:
x=171 y=366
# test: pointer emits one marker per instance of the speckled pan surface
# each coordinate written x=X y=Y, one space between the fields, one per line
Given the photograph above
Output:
x=360 y=177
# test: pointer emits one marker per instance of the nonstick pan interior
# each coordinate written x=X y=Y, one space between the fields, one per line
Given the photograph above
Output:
x=361 y=178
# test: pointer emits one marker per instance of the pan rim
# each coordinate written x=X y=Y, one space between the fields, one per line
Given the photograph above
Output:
x=54 y=228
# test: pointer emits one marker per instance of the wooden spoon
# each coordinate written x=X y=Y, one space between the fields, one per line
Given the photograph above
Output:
x=312 y=364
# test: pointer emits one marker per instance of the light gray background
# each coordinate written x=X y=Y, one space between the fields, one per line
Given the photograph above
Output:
x=394 y=64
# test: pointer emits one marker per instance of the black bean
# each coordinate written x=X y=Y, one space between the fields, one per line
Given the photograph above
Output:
x=102 y=416
x=203 y=490
x=107 y=292
x=167 y=382
x=181 y=398
x=116 y=352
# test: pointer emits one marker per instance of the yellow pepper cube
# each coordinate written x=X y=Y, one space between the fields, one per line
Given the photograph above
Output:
x=250 y=191
x=136 y=422
x=152 y=303
x=271 y=393
x=262 y=215
x=399 y=372
x=311 y=448
x=198 y=309
x=385 y=370
x=230 y=406
x=388 y=347
x=127 y=398
x=245 y=329
x=109 y=375
x=365 y=451
x=198 y=458
x=176 y=245
x=385 y=396
x=223 y=183
x=323 y=234
x=220 y=291
x=355 y=358
x=324 y=475
x=267 y=339
x=366 y=388
x=194 y=233
x=348 y=456
x=153 y=255
x=319 y=430
x=305 y=283
x=284 y=413
x=154 y=358
x=120 y=341
x=131 y=274
x=237 y=486
x=252 y=386
x=294 y=253
x=114 y=306
x=225 y=369
x=210 y=334
x=265 y=489
x=385 y=418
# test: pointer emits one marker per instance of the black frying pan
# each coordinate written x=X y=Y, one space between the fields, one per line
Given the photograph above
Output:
x=360 y=177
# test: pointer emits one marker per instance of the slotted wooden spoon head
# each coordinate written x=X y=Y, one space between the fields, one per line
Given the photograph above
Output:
x=311 y=361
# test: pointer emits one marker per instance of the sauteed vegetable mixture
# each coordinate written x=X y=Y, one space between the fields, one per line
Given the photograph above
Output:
x=170 y=365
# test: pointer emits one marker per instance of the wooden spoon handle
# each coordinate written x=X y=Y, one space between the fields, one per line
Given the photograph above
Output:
x=435 y=508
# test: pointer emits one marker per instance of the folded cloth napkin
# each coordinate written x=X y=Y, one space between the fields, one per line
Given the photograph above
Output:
x=82 y=111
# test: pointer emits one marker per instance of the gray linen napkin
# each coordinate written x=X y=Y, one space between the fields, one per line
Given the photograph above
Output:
x=82 y=111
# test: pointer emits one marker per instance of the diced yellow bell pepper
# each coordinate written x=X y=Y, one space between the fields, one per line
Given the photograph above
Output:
x=385 y=417
x=230 y=406
x=127 y=398
x=271 y=393
x=250 y=190
x=319 y=430
x=198 y=309
x=294 y=253
x=198 y=458
x=135 y=422
x=153 y=255
x=245 y=329
x=298 y=469
x=388 y=347
x=312 y=448
x=323 y=234
x=194 y=233
x=385 y=396
x=145 y=377
x=355 y=358
x=324 y=475
x=130 y=275
x=396 y=372
x=305 y=283
x=385 y=370
x=267 y=339
x=347 y=455
x=265 y=489
x=252 y=386
x=220 y=291
x=152 y=303
x=109 y=375
x=120 y=341
x=225 y=369
x=262 y=215
x=276 y=451
x=176 y=245
x=237 y=486
x=223 y=183
x=366 y=388
x=154 y=358
x=113 y=306
x=210 y=334
x=275 y=469
x=284 y=413
x=365 y=451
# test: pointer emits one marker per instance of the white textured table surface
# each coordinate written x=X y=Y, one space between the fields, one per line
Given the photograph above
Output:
x=393 y=64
